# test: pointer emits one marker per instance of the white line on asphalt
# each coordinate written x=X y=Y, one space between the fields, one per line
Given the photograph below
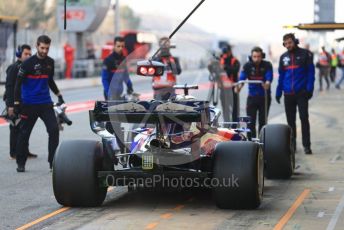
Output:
x=336 y=215
x=331 y=189
x=321 y=214
x=335 y=158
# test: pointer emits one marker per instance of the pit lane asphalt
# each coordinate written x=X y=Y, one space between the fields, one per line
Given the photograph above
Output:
x=29 y=196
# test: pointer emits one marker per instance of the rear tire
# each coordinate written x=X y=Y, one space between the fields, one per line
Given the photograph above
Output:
x=279 y=154
x=244 y=161
x=75 y=168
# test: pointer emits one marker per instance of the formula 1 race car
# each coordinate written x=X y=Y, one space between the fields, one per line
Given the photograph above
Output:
x=178 y=139
x=177 y=143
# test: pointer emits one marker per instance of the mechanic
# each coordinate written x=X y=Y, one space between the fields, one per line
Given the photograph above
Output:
x=114 y=74
x=341 y=66
x=69 y=59
x=23 y=52
x=296 y=80
x=324 y=68
x=232 y=66
x=257 y=69
x=163 y=85
x=32 y=100
x=334 y=65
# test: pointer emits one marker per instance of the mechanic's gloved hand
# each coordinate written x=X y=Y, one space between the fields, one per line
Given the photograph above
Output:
x=130 y=90
x=278 y=99
x=60 y=100
x=309 y=95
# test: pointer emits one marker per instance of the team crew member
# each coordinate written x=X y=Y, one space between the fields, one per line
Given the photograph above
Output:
x=334 y=65
x=69 y=59
x=296 y=81
x=115 y=72
x=232 y=66
x=32 y=100
x=324 y=68
x=257 y=69
x=23 y=53
x=163 y=85
x=341 y=66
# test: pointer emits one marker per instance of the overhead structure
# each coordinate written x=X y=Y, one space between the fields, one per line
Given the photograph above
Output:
x=340 y=39
x=324 y=18
x=324 y=11
x=82 y=15
x=317 y=26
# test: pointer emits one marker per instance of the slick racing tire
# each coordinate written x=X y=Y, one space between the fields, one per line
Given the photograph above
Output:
x=75 y=167
x=279 y=154
x=241 y=163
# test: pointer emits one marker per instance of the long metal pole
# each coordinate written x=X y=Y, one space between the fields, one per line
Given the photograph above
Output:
x=179 y=26
x=117 y=18
x=65 y=15
x=15 y=30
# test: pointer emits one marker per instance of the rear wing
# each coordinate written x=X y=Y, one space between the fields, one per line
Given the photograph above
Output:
x=150 y=112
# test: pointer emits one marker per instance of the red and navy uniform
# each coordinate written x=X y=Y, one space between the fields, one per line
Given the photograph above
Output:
x=36 y=77
x=34 y=80
x=296 y=80
x=114 y=74
x=262 y=72
x=296 y=72
x=256 y=93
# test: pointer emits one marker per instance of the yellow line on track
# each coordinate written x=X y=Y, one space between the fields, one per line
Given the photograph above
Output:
x=43 y=218
x=39 y=220
x=287 y=216
x=152 y=225
x=165 y=216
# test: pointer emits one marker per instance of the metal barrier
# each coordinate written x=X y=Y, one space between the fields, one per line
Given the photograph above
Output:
x=84 y=68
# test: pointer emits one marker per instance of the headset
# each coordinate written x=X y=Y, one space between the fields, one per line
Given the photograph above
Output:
x=256 y=49
x=19 y=52
x=292 y=36
x=225 y=48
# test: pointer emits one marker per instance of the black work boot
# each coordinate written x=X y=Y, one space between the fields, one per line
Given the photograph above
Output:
x=31 y=155
x=21 y=168
x=308 y=150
